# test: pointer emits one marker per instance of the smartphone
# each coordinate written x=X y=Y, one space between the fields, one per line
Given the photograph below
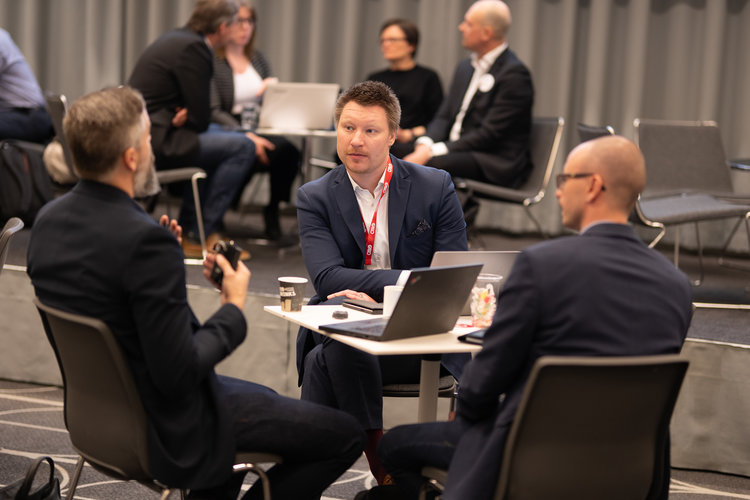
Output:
x=364 y=306
x=475 y=337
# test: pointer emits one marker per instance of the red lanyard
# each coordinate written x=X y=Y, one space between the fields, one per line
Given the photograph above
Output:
x=370 y=235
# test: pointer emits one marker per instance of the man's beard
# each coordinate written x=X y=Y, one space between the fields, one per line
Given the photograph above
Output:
x=146 y=182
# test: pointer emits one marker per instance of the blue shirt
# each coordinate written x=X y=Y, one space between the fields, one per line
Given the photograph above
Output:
x=18 y=86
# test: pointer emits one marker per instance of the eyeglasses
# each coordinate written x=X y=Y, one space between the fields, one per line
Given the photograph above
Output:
x=560 y=179
x=392 y=40
x=245 y=20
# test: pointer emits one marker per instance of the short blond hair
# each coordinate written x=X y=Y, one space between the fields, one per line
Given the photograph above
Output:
x=371 y=93
x=100 y=126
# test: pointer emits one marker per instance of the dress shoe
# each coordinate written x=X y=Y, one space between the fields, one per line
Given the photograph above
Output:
x=385 y=492
x=271 y=220
x=191 y=248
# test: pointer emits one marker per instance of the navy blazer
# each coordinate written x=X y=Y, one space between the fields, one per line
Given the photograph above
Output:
x=424 y=216
x=603 y=293
x=175 y=71
x=95 y=252
x=497 y=126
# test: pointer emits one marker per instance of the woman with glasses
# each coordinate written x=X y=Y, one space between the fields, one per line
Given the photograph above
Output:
x=241 y=74
x=418 y=88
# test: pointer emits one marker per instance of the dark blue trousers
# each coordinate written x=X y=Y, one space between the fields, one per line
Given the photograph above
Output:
x=317 y=444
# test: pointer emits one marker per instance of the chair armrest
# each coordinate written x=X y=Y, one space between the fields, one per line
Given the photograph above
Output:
x=178 y=174
x=493 y=192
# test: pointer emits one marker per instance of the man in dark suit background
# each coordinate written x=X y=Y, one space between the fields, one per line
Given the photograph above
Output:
x=96 y=252
x=174 y=76
x=482 y=129
x=601 y=293
x=411 y=211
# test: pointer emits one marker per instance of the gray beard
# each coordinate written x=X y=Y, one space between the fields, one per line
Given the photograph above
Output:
x=146 y=182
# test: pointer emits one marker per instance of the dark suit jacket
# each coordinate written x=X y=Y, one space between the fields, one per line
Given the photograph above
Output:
x=424 y=216
x=95 y=252
x=603 y=293
x=497 y=123
x=175 y=71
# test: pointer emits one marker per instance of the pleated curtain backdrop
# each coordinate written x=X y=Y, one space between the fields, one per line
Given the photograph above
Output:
x=595 y=61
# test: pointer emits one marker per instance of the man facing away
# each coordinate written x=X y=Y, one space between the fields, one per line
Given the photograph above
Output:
x=360 y=226
x=174 y=76
x=482 y=128
x=96 y=252
x=600 y=293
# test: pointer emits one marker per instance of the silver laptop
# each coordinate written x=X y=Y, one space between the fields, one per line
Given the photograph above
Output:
x=497 y=262
x=430 y=302
x=298 y=106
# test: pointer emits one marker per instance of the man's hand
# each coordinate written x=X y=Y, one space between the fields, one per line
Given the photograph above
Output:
x=404 y=135
x=173 y=227
x=262 y=147
x=420 y=156
x=352 y=294
x=233 y=284
x=180 y=117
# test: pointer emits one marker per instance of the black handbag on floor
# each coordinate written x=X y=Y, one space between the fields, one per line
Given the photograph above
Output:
x=20 y=489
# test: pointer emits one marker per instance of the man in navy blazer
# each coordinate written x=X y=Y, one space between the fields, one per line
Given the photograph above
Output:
x=411 y=211
x=482 y=128
x=96 y=252
x=174 y=76
x=601 y=293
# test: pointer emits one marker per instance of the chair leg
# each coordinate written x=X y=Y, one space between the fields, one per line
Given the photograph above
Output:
x=700 y=257
x=167 y=492
x=700 y=253
x=662 y=231
x=198 y=211
x=257 y=470
x=535 y=221
x=74 y=480
x=722 y=257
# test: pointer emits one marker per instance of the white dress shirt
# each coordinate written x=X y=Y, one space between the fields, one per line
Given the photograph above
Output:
x=381 y=257
x=481 y=66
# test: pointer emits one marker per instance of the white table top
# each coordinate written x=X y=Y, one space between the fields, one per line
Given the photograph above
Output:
x=296 y=132
x=314 y=316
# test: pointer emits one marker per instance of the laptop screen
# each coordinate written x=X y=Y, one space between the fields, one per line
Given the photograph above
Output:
x=298 y=106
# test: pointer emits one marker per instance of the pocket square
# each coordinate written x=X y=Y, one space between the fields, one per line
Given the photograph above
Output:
x=421 y=228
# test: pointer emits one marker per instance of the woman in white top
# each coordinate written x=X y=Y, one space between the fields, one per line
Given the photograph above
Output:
x=241 y=74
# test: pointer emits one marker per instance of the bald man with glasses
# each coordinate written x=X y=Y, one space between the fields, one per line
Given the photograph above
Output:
x=602 y=292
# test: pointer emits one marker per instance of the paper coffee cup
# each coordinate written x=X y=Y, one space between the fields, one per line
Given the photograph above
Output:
x=291 y=293
x=391 y=293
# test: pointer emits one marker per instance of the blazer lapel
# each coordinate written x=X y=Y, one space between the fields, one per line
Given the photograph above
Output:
x=346 y=202
x=397 y=198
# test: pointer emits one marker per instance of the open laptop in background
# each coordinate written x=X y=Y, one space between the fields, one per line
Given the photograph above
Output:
x=430 y=302
x=295 y=106
x=497 y=262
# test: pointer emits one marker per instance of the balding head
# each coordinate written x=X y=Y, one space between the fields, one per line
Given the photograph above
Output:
x=485 y=26
x=621 y=165
x=496 y=15
x=611 y=174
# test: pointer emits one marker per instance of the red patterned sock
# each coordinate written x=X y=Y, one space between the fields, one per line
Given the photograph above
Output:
x=373 y=438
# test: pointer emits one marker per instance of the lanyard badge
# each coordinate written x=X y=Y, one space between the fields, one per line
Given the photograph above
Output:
x=370 y=232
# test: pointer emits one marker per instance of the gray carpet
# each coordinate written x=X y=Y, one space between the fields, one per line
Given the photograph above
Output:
x=31 y=424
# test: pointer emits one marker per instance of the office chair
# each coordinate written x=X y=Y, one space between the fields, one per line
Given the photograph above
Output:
x=688 y=181
x=545 y=141
x=57 y=106
x=104 y=415
x=589 y=132
x=11 y=227
x=588 y=428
